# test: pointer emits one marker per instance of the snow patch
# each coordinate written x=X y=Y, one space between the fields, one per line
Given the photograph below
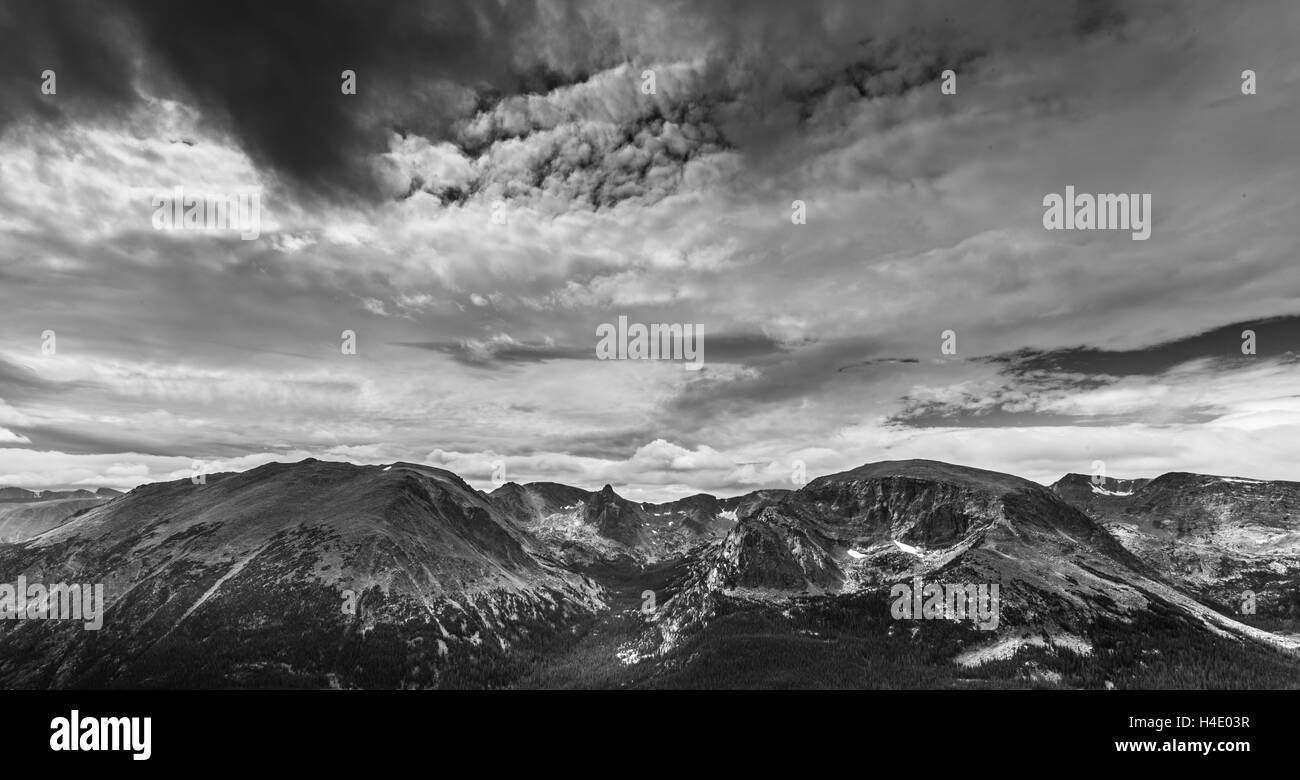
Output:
x=1103 y=491
x=907 y=548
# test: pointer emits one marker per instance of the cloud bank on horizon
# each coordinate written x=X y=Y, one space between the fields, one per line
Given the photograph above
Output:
x=502 y=183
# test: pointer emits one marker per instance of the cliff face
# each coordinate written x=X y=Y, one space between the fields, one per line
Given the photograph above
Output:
x=1059 y=572
x=1086 y=493
x=894 y=507
x=585 y=528
x=1226 y=539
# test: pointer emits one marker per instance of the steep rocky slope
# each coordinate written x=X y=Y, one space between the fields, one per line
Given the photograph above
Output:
x=586 y=528
x=1064 y=582
x=1084 y=492
x=292 y=574
x=1230 y=540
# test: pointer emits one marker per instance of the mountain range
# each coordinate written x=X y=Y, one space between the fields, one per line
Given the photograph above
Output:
x=26 y=513
x=319 y=574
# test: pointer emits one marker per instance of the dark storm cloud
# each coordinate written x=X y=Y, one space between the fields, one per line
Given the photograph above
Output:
x=83 y=42
x=269 y=73
x=1273 y=338
x=494 y=354
x=1035 y=375
x=282 y=94
x=273 y=71
x=878 y=362
x=745 y=348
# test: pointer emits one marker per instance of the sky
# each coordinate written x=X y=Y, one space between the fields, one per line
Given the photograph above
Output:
x=501 y=182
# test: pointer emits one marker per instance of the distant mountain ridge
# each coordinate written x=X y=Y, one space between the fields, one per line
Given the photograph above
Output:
x=1227 y=539
x=25 y=513
x=23 y=494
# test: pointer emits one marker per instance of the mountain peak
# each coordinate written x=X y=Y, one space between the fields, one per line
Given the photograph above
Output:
x=932 y=471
